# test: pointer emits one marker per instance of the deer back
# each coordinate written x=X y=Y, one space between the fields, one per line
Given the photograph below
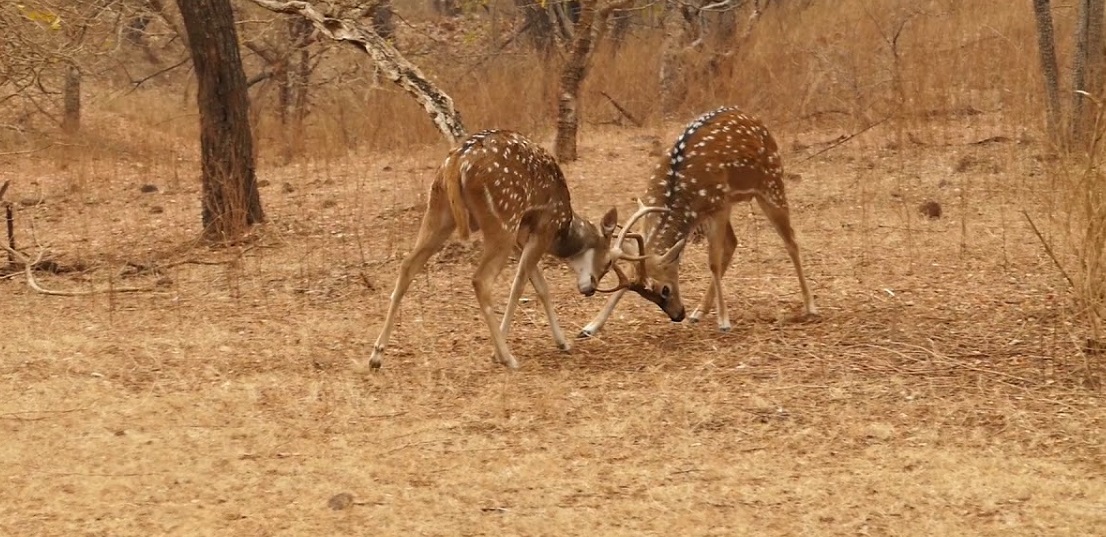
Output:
x=495 y=177
x=722 y=157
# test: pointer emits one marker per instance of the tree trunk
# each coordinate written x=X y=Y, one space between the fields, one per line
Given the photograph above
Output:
x=71 y=122
x=682 y=37
x=383 y=21
x=1046 y=45
x=231 y=202
x=539 y=28
x=1087 y=78
x=449 y=8
x=587 y=34
x=620 y=31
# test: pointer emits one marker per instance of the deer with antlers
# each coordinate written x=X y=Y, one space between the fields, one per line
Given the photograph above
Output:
x=511 y=190
x=723 y=157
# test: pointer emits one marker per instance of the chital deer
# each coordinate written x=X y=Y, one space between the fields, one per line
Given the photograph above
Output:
x=722 y=158
x=510 y=189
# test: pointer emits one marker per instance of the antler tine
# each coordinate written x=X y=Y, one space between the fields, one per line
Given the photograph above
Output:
x=623 y=281
x=636 y=237
x=642 y=211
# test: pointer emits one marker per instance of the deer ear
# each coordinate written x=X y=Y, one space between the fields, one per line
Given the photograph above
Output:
x=673 y=253
x=610 y=220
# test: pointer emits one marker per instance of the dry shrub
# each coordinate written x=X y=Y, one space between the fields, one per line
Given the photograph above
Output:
x=1080 y=192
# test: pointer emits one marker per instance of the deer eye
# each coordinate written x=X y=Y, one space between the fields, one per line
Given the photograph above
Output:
x=665 y=291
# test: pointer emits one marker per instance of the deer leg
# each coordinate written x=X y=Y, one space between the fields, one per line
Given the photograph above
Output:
x=720 y=246
x=491 y=264
x=600 y=319
x=527 y=264
x=781 y=220
x=541 y=287
x=728 y=247
x=437 y=225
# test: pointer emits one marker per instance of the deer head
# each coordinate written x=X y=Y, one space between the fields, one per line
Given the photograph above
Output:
x=585 y=247
x=656 y=276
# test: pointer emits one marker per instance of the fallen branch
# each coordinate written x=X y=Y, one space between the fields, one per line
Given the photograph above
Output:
x=389 y=60
x=29 y=271
x=843 y=139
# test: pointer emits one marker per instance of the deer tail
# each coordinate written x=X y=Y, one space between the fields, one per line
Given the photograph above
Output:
x=452 y=173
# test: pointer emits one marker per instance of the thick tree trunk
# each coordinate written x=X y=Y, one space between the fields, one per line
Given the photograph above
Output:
x=400 y=71
x=1087 y=78
x=1046 y=45
x=231 y=202
x=587 y=34
x=71 y=122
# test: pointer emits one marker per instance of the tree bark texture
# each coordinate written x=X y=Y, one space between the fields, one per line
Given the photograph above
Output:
x=231 y=202
x=588 y=33
x=71 y=121
x=1046 y=45
x=682 y=37
x=1088 y=69
x=394 y=66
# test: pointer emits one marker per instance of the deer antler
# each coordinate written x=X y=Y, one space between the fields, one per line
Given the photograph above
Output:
x=617 y=254
x=643 y=209
x=623 y=281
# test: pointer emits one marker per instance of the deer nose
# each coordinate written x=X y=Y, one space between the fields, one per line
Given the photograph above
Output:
x=589 y=289
x=678 y=317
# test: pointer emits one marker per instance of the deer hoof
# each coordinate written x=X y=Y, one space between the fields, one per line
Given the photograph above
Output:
x=585 y=333
x=694 y=317
x=725 y=329
x=564 y=346
x=374 y=363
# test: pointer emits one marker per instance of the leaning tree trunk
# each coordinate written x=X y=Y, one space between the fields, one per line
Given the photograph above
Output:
x=1088 y=69
x=587 y=34
x=231 y=202
x=1046 y=45
x=400 y=71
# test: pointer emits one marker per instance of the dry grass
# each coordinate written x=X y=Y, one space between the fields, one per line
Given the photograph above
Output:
x=946 y=390
x=942 y=392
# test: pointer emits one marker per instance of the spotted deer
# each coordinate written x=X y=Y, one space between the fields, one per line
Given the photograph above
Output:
x=510 y=189
x=723 y=157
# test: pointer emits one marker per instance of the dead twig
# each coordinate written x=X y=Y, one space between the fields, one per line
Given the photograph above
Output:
x=846 y=138
x=1048 y=249
x=18 y=416
x=622 y=110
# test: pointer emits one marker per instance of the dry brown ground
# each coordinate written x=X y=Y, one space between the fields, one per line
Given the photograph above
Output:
x=941 y=393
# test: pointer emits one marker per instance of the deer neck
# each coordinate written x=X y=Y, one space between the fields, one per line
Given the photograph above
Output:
x=664 y=230
x=571 y=239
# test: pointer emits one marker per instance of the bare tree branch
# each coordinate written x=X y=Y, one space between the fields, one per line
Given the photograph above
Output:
x=389 y=60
